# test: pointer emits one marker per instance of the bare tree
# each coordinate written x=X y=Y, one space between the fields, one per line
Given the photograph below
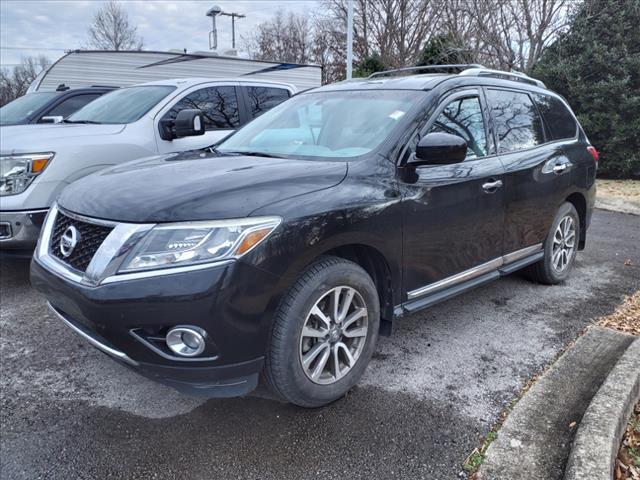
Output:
x=111 y=30
x=395 y=29
x=286 y=37
x=512 y=34
x=14 y=84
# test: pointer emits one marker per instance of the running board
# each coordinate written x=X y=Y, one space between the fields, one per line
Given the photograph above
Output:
x=443 y=294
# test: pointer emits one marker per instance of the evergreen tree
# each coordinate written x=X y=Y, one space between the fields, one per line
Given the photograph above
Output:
x=596 y=67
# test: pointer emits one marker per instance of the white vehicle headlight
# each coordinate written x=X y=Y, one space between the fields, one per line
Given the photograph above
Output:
x=191 y=243
x=18 y=171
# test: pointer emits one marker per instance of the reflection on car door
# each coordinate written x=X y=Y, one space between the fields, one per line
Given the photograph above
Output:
x=453 y=214
x=222 y=115
x=536 y=173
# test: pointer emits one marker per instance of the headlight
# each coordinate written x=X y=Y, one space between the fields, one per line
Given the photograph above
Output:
x=190 y=243
x=18 y=171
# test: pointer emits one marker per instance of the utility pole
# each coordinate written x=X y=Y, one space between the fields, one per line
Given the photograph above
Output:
x=350 y=40
x=233 y=25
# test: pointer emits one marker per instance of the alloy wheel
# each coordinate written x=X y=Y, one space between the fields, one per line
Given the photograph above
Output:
x=333 y=335
x=564 y=243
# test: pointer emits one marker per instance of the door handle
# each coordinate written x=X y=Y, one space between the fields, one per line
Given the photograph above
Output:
x=492 y=185
x=560 y=167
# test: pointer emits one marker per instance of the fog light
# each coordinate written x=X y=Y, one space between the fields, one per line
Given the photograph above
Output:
x=186 y=341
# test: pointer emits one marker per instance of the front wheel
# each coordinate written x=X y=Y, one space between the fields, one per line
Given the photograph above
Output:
x=560 y=247
x=324 y=333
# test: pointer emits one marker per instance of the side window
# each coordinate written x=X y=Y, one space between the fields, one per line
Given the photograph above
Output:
x=218 y=104
x=517 y=123
x=558 y=118
x=262 y=99
x=71 y=105
x=463 y=117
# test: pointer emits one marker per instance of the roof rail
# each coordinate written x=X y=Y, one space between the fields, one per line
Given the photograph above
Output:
x=513 y=76
x=458 y=66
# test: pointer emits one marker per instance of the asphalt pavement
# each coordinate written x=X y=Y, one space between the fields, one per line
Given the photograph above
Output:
x=432 y=391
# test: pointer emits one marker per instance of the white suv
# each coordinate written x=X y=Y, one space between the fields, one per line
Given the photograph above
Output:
x=38 y=161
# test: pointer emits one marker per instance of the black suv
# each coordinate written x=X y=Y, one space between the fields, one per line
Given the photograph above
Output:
x=283 y=251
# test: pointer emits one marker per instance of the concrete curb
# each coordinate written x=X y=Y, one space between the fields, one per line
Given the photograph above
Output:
x=535 y=440
x=596 y=444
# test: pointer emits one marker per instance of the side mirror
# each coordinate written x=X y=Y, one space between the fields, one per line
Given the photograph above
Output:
x=52 y=119
x=440 y=149
x=189 y=123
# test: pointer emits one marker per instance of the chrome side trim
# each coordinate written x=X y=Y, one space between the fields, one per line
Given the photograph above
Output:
x=96 y=343
x=164 y=271
x=458 y=278
x=525 y=252
x=475 y=271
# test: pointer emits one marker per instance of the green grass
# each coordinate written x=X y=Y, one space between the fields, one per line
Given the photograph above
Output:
x=473 y=461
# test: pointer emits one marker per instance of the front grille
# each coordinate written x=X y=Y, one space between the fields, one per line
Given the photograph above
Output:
x=90 y=239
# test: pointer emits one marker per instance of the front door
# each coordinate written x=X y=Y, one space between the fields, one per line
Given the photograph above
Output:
x=220 y=106
x=454 y=214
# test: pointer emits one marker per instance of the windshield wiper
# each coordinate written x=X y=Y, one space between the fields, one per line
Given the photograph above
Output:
x=89 y=122
x=251 y=154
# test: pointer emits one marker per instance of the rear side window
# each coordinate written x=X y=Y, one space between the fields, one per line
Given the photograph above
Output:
x=71 y=105
x=556 y=115
x=262 y=99
x=516 y=120
x=218 y=104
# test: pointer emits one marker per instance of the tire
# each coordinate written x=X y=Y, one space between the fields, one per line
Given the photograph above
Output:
x=291 y=360
x=546 y=271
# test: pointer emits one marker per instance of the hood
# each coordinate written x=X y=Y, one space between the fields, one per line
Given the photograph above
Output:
x=46 y=137
x=196 y=186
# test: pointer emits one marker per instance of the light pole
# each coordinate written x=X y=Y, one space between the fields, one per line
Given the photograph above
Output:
x=350 y=40
x=233 y=25
x=213 y=34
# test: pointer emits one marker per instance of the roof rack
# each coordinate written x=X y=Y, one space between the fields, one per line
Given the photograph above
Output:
x=458 y=66
x=470 y=69
x=513 y=76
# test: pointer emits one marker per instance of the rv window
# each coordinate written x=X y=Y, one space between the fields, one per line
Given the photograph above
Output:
x=218 y=104
x=262 y=99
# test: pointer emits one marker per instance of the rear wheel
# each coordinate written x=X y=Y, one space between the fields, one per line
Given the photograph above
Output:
x=324 y=333
x=560 y=247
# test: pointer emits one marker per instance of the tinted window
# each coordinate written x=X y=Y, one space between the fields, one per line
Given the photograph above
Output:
x=262 y=99
x=558 y=118
x=516 y=120
x=71 y=105
x=463 y=117
x=218 y=104
x=125 y=105
x=23 y=107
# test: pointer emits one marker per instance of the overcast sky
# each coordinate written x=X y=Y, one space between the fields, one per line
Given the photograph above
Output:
x=33 y=27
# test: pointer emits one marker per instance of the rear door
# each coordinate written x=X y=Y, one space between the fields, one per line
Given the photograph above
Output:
x=261 y=98
x=537 y=171
x=454 y=214
x=223 y=113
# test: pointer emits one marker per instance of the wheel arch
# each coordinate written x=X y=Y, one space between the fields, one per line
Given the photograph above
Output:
x=578 y=200
x=378 y=268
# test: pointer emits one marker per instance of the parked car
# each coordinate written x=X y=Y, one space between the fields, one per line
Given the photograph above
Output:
x=36 y=162
x=289 y=246
x=48 y=106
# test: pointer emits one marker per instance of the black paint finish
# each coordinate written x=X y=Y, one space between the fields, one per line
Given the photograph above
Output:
x=407 y=225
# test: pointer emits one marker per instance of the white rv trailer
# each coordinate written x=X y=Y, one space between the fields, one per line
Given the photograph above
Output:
x=80 y=68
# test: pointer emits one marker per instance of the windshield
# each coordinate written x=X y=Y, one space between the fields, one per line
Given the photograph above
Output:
x=19 y=111
x=338 y=124
x=121 y=106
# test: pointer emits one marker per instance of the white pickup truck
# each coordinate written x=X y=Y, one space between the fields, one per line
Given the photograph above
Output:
x=38 y=161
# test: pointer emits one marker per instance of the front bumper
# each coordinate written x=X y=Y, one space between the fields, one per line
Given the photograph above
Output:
x=19 y=230
x=231 y=302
